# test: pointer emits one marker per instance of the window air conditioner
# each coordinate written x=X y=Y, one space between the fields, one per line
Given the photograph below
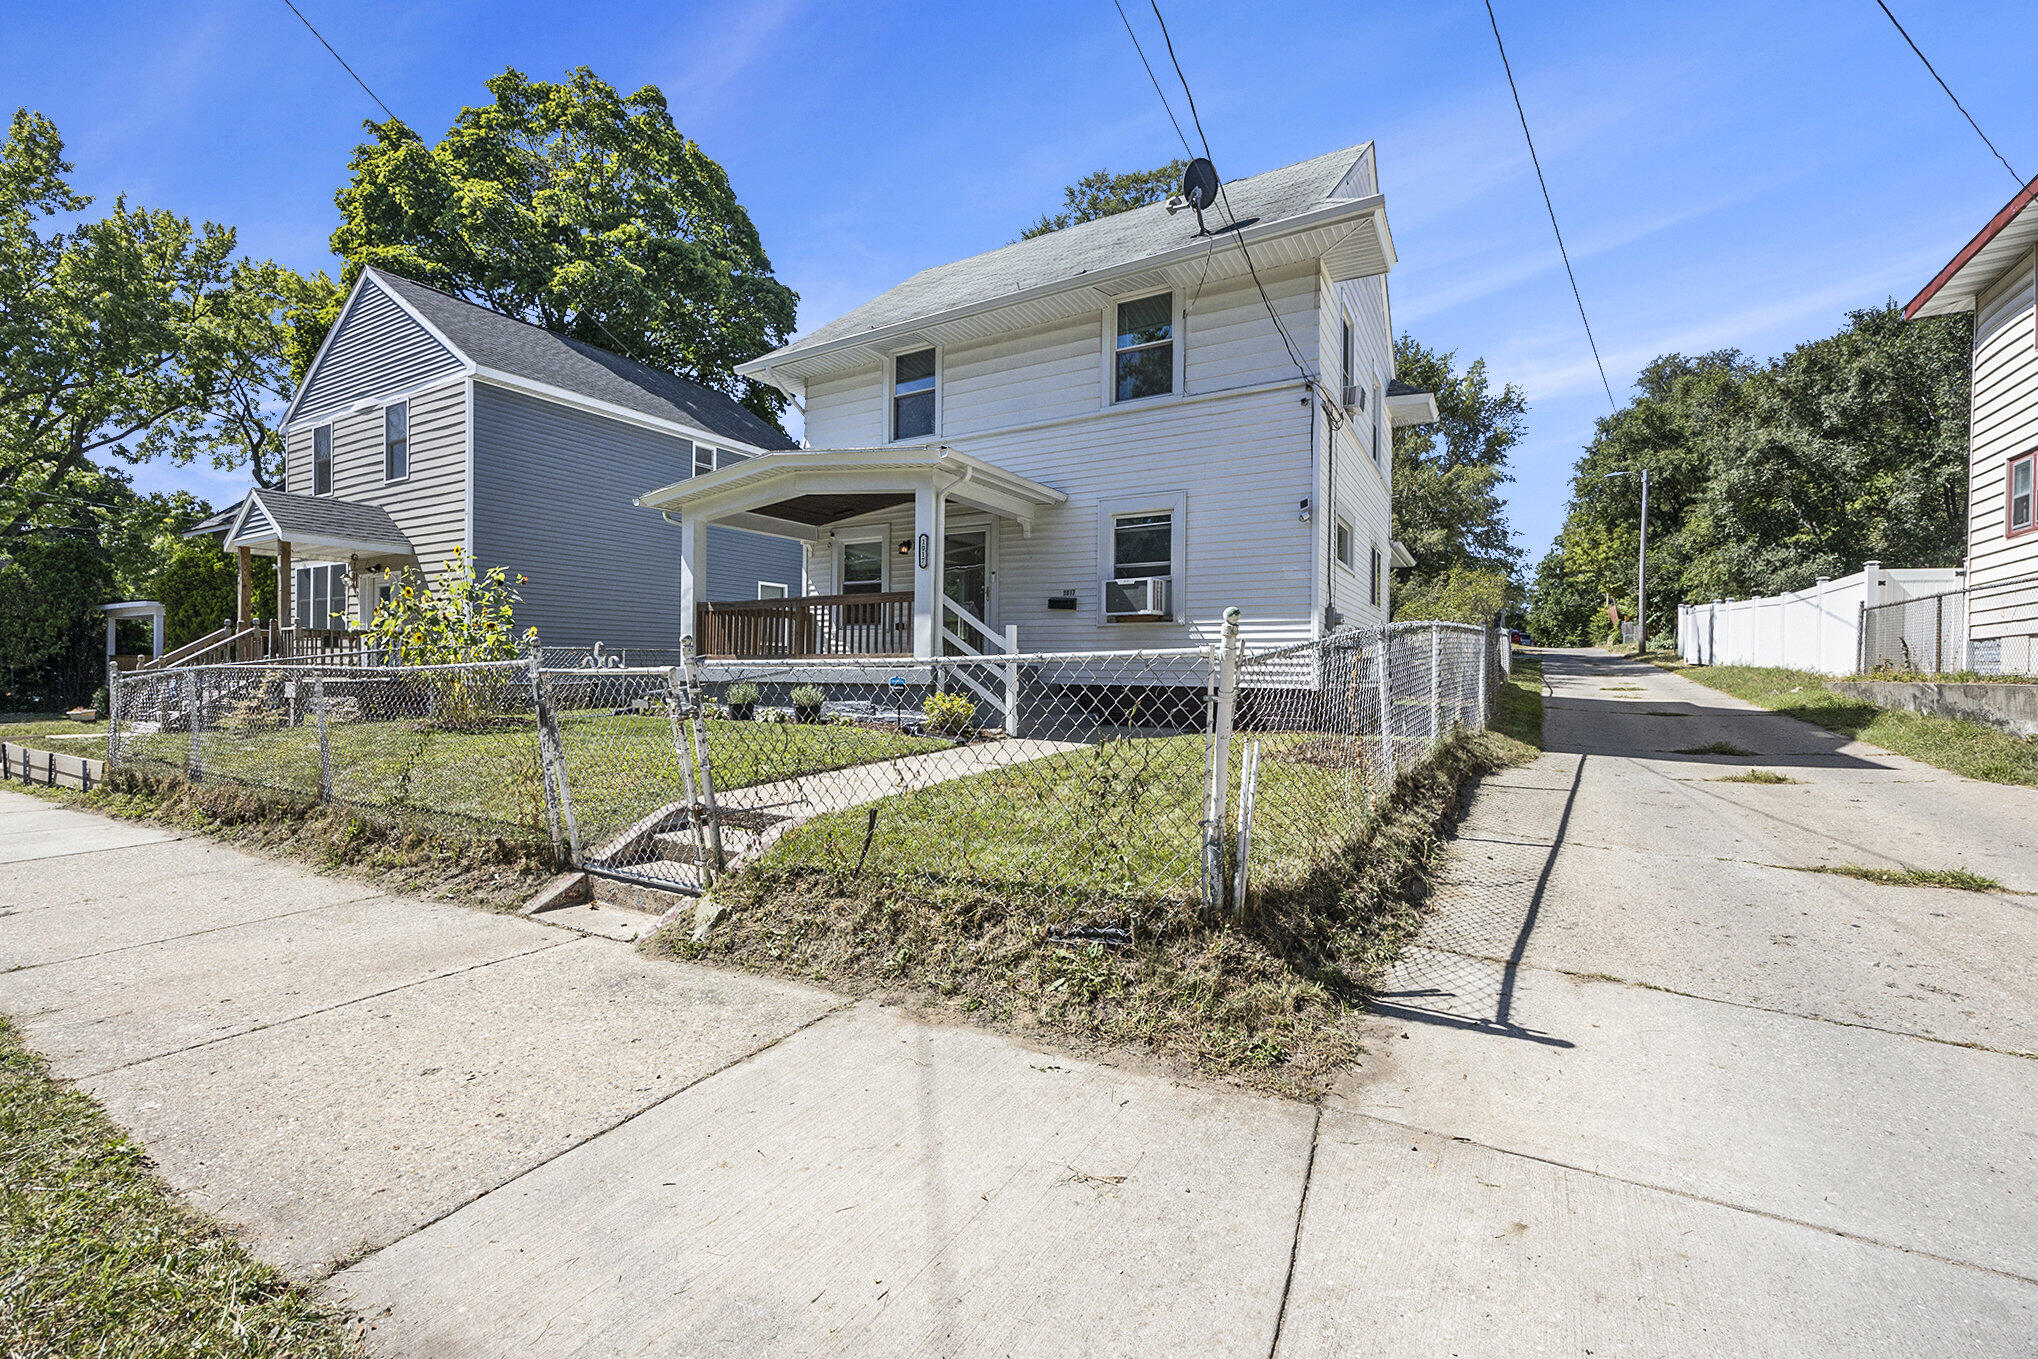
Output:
x=1354 y=397
x=1144 y=597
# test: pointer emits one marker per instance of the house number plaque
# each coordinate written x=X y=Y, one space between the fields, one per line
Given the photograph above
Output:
x=923 y=552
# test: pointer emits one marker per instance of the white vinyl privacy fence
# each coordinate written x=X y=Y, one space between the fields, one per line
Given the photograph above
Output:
x=1837 y=627
x=1081 y=783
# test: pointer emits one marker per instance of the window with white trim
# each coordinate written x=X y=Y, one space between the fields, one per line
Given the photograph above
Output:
x=396 y=441
x=1345 y=548
x=913 y=395
x=771 y=589
x=1379 y=418
x=1143 y=361
x=322 y=460
x=1348 y=366
x=1375 y=577
x=703 y=460
x=1142 y=545
x=321 y=597
x=863 y=567
x=2022 y=509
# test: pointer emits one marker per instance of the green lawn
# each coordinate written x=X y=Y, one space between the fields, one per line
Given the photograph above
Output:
x=98 y=1257
x=25 y=727
x=1963 y=747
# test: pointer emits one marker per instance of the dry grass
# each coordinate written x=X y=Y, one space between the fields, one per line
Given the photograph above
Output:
x=1714 y=748
x=1755 y=776
x=1958 y=879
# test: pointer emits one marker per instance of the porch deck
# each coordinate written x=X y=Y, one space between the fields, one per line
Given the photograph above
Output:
x=808 y=627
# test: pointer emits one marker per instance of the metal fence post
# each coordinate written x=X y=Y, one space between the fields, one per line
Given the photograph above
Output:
x=1939 y=634
x=1485 y=665
x=675 y=701
x=705 y=762
x=552 y=764
x=1388 y=755
x=1436 y=673
x=1861 y=639
x=112 y=716
x=194 y=760
x=325 y=749
x=1217 y=795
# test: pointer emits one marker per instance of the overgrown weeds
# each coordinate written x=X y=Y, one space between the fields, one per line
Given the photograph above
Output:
x=98 y=1256
x=1958 y=879
x=1714 y=748
x=1756 y=776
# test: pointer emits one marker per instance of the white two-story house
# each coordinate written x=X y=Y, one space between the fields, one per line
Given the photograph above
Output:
x=1097 y=439
x=1996 y=277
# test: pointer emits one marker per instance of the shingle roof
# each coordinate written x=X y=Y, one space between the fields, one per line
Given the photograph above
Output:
x=319 y=516
x=1083 y=248
x=493 y=340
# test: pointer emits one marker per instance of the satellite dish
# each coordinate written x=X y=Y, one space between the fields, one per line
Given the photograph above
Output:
x=1199 y=184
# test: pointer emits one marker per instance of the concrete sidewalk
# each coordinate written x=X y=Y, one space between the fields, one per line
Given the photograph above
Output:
x=1639 y=1091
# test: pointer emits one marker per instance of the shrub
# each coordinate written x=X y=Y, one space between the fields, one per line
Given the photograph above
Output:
x=808 y=696
x=740 y=695
x=949 y=714
x=459 y=617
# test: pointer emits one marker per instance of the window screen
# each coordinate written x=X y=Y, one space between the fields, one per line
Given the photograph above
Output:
x=321 y=597
x=1142 y=545
x=2022 y=474
x=1145 y=358
x=913 y=395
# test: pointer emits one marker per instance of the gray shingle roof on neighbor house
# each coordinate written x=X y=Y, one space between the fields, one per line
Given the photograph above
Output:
x=1088 y=246
x=319 y=516
x=508 y=345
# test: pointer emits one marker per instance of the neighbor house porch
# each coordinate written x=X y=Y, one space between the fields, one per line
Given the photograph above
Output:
x=841 y=502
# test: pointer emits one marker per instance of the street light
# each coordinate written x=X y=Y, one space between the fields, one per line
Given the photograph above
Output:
x=1641 y=566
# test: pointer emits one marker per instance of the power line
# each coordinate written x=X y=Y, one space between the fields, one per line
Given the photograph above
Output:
x=1154 y=78
x=342 y=60
x=1222 y=195
x=1950 y=95
x=1535 y=160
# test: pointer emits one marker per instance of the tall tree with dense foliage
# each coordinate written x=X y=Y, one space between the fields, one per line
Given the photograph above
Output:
x=126 y=338
x=1447 y=475
x=580 y=209
x=1764 y=477
x=1102 y=194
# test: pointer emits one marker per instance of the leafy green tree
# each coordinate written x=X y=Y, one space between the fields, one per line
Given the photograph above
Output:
x=579 y=209
x=1447 y=476
x=1103 y=194
x=51 y=631
x=1463 y=594
x=198 y=584
x=128 y=338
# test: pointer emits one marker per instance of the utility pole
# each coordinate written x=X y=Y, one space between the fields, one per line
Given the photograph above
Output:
x=1641 y=566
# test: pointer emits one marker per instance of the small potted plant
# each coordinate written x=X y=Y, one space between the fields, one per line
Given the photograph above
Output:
x=949 y=715
x=741 y=700
x=807 y=701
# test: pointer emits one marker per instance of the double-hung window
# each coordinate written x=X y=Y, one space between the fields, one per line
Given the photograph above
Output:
x=396 y=441
x=1344 y=543
x=1142 y=545
x=1378 y=417
x=1374 y=577
x=1353 y=396
x=1143 y=363
x=913 y=395
x=321 y=597
x=703 y=460
x=322 y=460
x=2022 y=507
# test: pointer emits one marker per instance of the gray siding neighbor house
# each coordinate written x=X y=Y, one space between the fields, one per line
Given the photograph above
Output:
x=464 y=428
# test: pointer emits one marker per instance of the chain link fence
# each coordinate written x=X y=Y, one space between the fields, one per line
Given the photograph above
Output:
x=1087 y=784
x=1928 y=634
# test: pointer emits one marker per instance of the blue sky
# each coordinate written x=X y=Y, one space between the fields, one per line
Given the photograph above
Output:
x=1727 y=174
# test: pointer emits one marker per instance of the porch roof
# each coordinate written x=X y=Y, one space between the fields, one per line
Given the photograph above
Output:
x=320 y=523
x=797 y=494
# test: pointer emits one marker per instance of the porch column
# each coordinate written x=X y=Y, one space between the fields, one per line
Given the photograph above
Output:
x=929 y=528
x=156 y=619
x=285 y=615
x=244 y=606
x=692 y=574
x=112 y=622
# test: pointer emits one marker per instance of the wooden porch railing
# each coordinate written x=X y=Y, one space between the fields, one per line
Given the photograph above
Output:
x=815 y=625
x=270 y=642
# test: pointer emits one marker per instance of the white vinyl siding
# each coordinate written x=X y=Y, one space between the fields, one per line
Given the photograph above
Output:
x=2004 y=426
x=1357 y=471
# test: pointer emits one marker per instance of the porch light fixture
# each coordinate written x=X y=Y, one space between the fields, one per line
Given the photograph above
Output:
x=905 y=547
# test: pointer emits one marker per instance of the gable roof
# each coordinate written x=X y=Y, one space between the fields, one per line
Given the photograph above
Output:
x=1088 y=248
x=1983 y=260
x=490 y=341
x=268 y=514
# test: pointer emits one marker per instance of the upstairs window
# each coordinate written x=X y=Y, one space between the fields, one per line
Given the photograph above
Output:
x=1344 y=543
x=1347 y=365
x=1379 y=416
x=322 y=460
x=1142 y=545
x=863 y=568
x=913 y=395
x=1374 y=586
x=703 y=460
x=396 y=441
x=1144 y=364
x=2023 y=506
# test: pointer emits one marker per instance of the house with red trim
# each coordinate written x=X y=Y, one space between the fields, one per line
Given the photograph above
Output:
x=1996 y=277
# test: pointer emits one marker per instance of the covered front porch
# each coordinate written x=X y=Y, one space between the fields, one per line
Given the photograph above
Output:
x=328 y=557
x=841 y=502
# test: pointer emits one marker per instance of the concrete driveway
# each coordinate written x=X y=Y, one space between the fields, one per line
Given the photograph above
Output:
x=1643 y=1089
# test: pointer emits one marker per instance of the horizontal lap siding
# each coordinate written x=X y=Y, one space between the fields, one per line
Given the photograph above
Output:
x=376 y=348
x=2005 y=423
x=1359 y=489
x=430 y=506
x=846 y=411
x=554 y=501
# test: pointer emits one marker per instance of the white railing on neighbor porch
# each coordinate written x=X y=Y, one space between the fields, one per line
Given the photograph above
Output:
x=1819 y=629
x=965 y=634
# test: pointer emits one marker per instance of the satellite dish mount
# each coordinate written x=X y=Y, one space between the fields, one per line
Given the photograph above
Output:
x=1199 y=191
